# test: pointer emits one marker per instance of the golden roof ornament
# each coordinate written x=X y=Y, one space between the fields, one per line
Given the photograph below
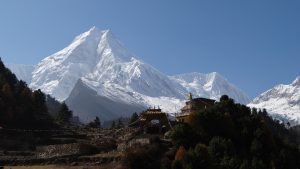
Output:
x=190 y=97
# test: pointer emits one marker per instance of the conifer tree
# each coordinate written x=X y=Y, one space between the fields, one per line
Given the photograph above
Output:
x=20 y=107
x=113 y=125
x=64 y=115
x=96 y=123
x=120 y=123
x=133 y=119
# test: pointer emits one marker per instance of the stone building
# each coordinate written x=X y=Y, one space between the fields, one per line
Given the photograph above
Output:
x=154 y=120
x=193 y=105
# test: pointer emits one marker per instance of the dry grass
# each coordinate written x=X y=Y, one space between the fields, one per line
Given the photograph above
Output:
x=107 y=166
x=112 y=154
x=53 y=166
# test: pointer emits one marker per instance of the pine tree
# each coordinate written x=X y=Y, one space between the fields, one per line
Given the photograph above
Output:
x=20 y=107
x=133 y=119
x=64 y=115
x=113 y=125
x=120 y=123
x=96 y=123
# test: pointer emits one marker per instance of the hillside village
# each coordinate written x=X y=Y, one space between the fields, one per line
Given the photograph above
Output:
x=38 y=131
x=84 y=145
x=149 y=84
x=91 y=146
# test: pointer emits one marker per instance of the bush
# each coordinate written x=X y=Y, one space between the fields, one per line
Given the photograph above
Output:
x=182 y=134
x=177 y=165
x=143 y=157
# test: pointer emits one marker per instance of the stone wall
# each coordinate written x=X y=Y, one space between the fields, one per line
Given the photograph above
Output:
x=63 y=150
x=133 y=143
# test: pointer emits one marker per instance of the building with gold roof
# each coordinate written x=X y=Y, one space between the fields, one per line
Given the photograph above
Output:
x=193 y=105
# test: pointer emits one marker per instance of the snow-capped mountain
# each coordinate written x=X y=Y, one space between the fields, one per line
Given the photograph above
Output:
x=23 y=72
x=97 y=75
x=282 y=101
x=211 y=85
x=57 y=74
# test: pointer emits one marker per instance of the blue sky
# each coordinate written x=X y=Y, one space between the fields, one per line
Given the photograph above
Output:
x=255 y=44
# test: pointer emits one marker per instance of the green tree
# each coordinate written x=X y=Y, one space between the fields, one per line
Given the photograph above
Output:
x=177 y=165
x=64 y=115
x=143 y=157
x=120 y=123
x=20 y=107
x=113 y=124
x=183 y=134
x=133 y=119
x=237 y=137
x=245 y=165
x=258 y=164
x=202 y=156
x=220 y=147
x=39 y=101
x=96 y=123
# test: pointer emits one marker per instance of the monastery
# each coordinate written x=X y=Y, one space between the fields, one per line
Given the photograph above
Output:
x=193 y=105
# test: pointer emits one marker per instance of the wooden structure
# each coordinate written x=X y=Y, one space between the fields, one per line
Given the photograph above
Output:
x=153 y=114
x=193 y=106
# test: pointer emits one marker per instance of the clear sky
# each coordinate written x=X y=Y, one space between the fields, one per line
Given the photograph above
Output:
x=255 y=44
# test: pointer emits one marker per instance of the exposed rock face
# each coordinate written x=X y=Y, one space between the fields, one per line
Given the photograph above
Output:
x=88 y=104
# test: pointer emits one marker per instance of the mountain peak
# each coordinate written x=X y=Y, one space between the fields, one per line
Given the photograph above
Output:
x=296 y=81
x=211 y=85
x=281 y=101
x=93 y=33
x=214 y=73
x=108 y=35
x=215 y=76
x=99 y=60
x=96 y=29
x=112 y=48
x=107 y=31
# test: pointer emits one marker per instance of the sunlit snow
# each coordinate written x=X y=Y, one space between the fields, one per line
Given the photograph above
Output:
x=103 y=64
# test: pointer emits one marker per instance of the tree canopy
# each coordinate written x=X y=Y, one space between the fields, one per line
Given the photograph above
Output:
x=20 y=107
x=64 y=115
x=96 y=123
x=230 y=135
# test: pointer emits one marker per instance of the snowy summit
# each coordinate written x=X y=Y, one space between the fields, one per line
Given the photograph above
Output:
x=282 y=101
x=97 y=71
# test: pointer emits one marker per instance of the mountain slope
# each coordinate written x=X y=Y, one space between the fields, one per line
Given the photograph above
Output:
x=118 y=69
x=98 y=69
x=282 y=101
x=21 y=107
x=211 y=85
x=57 y=74
x=89 y=104
x=23 y=72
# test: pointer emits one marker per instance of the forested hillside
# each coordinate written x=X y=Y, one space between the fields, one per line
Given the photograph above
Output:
x=20 y=107
x=233 y=136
